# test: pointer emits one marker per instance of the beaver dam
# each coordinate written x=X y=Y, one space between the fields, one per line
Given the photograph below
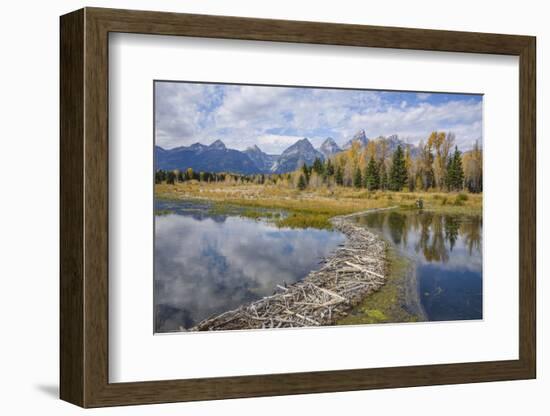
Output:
x=324 y=296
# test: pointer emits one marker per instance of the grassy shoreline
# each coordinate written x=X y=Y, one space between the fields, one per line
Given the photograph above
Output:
x=313 y=208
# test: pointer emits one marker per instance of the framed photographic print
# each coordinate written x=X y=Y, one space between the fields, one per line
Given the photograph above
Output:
x=255 y=207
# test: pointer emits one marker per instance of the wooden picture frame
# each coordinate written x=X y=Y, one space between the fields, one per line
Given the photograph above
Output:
x=84 y=207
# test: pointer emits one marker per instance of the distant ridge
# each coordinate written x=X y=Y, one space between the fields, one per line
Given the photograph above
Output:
x=216 y=157
x=199 y=157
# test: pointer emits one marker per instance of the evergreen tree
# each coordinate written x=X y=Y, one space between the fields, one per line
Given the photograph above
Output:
x=372 y=175
x=410 y=172
x=329 y=168
x=459 y=171
x=450 y=177
x=398 y=172
x=455 y=172
x=357 y=178
x=306 y=173
x=383 y=176
x=318 y=166
x=302 y=182
x=170 y=177
x=339 y=176
x=160 y=176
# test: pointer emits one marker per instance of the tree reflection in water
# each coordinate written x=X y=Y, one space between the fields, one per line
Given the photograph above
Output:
x=436 y=234
x=447 y=252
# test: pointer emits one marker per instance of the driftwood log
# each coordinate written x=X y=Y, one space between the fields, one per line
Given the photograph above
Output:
x=324 y=296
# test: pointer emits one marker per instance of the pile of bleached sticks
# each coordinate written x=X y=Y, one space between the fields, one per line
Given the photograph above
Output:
x=324 y=296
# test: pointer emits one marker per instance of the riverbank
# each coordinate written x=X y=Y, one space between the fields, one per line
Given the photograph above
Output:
x=314 y=208
x=324 y=296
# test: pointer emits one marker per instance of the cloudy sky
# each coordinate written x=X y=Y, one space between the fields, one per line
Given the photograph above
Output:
x=275 y=117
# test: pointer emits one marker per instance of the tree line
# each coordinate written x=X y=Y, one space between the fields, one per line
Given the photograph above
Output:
x=172 y=176
x=437 y=164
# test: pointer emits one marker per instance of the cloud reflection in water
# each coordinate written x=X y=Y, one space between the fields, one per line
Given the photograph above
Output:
x=208 y=266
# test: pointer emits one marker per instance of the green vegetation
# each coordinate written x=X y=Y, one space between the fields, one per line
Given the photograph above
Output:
x=372 y=175
x=398 y=173
x=385 y=305
x=455 y=174
x=304 y=220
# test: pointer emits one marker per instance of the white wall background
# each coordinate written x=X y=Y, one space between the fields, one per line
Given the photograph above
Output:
x=29 y=160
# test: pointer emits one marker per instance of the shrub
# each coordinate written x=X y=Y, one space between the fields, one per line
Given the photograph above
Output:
x=460 y=199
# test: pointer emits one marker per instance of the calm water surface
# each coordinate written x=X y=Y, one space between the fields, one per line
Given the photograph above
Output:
x=446 y=251
x=207 y=264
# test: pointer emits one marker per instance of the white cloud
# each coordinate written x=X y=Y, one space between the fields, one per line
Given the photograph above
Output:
x=423 y=96
x=273 y=143
x=464 y=118
x=179 y=112
x=275 y=117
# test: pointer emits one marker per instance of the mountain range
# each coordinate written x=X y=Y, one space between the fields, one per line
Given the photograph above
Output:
x=360 y=137
x=216 y=157
x=295 y=156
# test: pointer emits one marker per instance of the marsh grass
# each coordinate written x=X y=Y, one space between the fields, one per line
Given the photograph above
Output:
x=311 y=208
x=302 y=220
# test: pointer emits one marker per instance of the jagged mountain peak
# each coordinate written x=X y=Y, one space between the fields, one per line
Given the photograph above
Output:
x=262 y=160
x=329 y=147
x=360 y=137
x=329 y=140
x=254 y=148
x=194 y=146
x=218 y=144
x=294 y=156
x=303 y=142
